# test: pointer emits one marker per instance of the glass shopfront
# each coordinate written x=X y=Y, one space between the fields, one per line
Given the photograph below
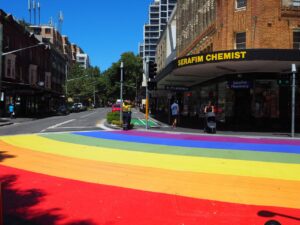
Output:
x=256 y=102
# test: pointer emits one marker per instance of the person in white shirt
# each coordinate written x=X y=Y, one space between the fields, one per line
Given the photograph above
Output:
x=174 y=113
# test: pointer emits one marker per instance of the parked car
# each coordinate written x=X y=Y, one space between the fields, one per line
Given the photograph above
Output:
x=78 y=107
x=62 y=110
x=116 y=108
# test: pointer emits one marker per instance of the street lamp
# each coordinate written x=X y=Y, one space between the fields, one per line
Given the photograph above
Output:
x=21 y=49
x=121 y=92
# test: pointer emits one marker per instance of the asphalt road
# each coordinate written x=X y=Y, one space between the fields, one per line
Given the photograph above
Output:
x=87 y=120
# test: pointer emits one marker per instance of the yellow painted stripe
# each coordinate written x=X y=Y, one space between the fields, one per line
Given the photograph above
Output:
x=171 y=162
x=225 y=188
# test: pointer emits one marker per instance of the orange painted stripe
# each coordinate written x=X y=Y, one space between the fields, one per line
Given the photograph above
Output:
x=226 y=188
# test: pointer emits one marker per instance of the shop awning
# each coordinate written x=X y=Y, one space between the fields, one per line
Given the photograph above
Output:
x=195 y=69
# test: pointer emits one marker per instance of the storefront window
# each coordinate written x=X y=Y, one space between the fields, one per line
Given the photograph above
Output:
x=265 y=102
x=229 y=102
x=221 y=104
x=208 y=93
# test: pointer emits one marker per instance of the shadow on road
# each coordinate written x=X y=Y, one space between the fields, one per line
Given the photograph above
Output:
x=4 y=155
x=18 y=206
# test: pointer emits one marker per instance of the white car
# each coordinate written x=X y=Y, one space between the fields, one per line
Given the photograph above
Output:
x=78 y=107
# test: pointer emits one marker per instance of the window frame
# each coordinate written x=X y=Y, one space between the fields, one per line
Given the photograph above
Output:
x=298 y=42
x=237 y=44
x=237 y=2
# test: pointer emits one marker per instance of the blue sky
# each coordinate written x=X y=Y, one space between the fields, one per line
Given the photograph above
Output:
x=103 y=29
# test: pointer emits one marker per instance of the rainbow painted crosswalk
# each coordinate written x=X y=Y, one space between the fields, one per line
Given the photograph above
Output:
x=151 y=178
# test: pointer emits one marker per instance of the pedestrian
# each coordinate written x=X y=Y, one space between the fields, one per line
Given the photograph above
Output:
x=209 y=108
x=126 y=111
x=175 y=113
x=11 y=109
x=209 y=116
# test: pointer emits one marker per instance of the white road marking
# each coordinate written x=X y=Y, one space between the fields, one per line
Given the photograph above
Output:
x=57 y=125
x=144 y=123
x=100 y=124
x=87 y=115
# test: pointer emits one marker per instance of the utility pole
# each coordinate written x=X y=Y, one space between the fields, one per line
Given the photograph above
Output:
x=294 y=70
x=94 y=95
x=147 y=93
x=121 y=92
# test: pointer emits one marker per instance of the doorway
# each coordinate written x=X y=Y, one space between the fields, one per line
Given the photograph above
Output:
x=242 y=109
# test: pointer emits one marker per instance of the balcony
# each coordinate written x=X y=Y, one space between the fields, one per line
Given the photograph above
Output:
x=290 y=8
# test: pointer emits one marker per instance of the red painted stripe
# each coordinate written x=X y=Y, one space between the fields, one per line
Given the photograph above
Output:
x=48 y=200
x=1 y=210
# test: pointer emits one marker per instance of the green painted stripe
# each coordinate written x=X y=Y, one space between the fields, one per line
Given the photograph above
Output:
x=162 y=149
x=142 y=122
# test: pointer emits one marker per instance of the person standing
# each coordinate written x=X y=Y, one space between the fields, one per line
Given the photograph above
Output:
x=11 y=109
x=126 y=111
x=209 y=108
x=175 y=113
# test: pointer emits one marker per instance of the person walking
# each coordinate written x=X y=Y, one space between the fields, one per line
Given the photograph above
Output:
x=11 y=109
x=175 y=113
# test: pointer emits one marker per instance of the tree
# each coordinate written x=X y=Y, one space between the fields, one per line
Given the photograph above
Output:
x=81 y=83
x=132 y=77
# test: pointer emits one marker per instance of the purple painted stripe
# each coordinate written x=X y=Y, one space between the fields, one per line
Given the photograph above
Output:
x=191 y=137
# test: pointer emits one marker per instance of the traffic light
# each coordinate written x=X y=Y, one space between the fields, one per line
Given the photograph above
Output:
x=152 y=69
x=152 y=85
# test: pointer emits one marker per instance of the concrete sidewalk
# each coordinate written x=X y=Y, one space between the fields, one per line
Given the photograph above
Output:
x=169 y=129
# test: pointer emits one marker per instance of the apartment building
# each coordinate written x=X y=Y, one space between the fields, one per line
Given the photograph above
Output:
x=29 y=78
x=78 y=56
x=166 y=45
x=159 y=13
x=238 y=55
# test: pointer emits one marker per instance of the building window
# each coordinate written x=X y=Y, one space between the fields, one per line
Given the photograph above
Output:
x=296 y=3
x=10 y=64
x=240 y=40
x=32 y=75
x=48 y=80
x=296 y=39
x=47 y=31
x=241 y=4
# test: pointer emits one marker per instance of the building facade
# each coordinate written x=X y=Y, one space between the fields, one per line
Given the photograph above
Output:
x=159 y=13
x=238 y=55
x=166 y=45
x=79 y=56
x=32 y=78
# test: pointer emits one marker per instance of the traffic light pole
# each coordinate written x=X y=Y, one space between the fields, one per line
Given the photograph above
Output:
x=147 y=93
x=121 y=93
x=294 y=70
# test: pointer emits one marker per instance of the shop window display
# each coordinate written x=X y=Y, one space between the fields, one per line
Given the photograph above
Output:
x=221 y=104
x=208 y=93
x=265 y=102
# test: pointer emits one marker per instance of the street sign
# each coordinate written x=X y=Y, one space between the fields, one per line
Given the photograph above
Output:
x=284 y=82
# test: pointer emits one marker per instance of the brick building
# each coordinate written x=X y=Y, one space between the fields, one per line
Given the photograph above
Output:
x=237 y=54
x=32 y=78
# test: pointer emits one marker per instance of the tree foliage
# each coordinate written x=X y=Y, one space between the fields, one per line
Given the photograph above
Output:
x=132 y=77
x=82 y=83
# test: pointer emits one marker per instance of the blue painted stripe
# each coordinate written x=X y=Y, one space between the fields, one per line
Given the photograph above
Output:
x=193 y=143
